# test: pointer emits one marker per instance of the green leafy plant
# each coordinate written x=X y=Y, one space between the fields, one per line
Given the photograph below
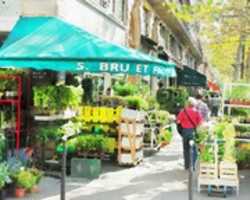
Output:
x=207 y=155
x=25 y=179
x=90 y=143
x=54 y=99
x=172 y=99
x=112 y=101
x=136 y=102
x=165 y=136
x=202 y=135
x=109 y=145
x=125 y=89
x=160 y=117
x=4 y=175
x=2 y=146
x=38 y=174
x=52 y=132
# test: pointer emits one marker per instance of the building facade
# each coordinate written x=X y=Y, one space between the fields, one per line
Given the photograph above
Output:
x=148 y=25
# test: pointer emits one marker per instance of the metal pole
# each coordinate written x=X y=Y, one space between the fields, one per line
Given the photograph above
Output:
x=191 y=169
x=63 y=173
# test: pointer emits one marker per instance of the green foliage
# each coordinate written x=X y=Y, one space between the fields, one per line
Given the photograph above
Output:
x=109 y=145
x=172 y=99
x=25 y=179
x=56 y=98
x=38 y=174
x=112 y=101
x=207 y=155
x=202 y=135
x=51 y=132
x=125 y=89
x=89 y=143
x=240 y=112
x=160 y=117
x=4 y=175
x=239 y=92
x=2 y=146
x=224 y=26
x=8 y=85
x=165 y=136
x=136 y=102
x=152 y=102
x=243 y=156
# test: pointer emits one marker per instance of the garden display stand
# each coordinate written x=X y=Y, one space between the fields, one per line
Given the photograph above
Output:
x=15 y=102
x=50 y=164
x=218 y=177
x=229 y=87
x=130 y=138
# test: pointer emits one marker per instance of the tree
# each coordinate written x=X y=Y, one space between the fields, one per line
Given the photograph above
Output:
x=224 y=28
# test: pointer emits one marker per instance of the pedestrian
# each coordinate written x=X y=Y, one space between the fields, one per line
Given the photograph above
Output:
x=189 y=119
x=202 y=108
x=215 y=104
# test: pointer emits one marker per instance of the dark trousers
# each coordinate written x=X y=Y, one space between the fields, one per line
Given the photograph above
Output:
x=215 y=110
x=187 y=135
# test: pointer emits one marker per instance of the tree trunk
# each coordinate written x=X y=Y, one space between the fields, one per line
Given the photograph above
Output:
x=247 y=71
x=239 y=59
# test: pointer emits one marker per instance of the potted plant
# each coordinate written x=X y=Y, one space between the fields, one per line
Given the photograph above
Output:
x=164 y=137
x=38 y=176
x=11 y=88
x=4 y=179
x=24 y=180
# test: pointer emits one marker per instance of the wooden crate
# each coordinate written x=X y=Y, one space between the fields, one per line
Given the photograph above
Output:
x=228 y=174
x=208 y=175
x=126 y=144
x=130 y=140
x=136 y=128
x=127 y=159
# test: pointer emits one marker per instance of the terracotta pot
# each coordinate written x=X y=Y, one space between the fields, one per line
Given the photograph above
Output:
x=20 y=192
x=163 y=144
x=34 y=189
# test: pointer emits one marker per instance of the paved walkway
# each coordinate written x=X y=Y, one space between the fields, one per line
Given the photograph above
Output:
x=160 y=177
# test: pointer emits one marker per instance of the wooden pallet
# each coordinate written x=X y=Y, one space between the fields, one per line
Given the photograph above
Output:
x=208 y=175
x=128 y=128
x=218 y=178
x=228 y=175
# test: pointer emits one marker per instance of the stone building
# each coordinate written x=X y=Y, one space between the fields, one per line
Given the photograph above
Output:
x=147 y=25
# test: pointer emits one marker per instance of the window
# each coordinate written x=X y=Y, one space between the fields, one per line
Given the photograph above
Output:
x=114 y=7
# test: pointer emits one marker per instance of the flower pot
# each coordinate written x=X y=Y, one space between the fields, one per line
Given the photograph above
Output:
x=34 y=189
x=20 y=192
x=163 y=144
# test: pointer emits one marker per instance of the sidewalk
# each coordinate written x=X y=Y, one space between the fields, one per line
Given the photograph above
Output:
x=159 y=177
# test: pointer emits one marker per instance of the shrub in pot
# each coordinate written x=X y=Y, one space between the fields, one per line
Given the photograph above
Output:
x=24 y=180
x=38 y=176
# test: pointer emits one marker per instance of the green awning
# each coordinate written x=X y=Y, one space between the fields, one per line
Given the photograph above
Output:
x=50 y=43
x=190 y=77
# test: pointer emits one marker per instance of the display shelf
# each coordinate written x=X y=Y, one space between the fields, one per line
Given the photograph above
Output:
x=44 y=118
x=229 y=87
x=16 y=101
x=238 y=139
x=8 y=101
x=242 y=124
x=236 y=106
